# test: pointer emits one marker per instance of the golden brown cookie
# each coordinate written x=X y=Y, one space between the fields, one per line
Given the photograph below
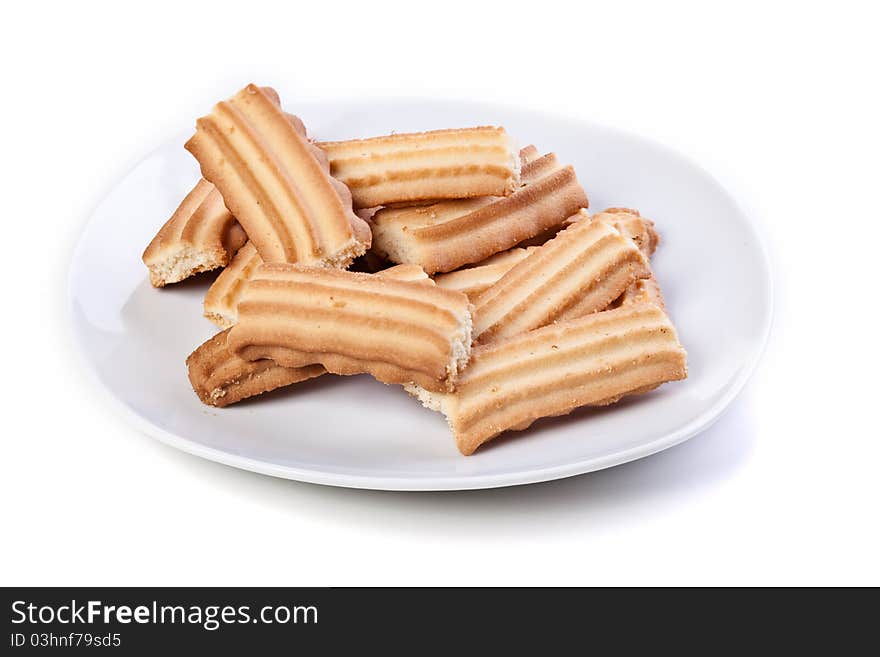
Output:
x=440 y=164
x=220 y=378
x=580 y=271
x=553 y=370
x=276 y=183
x=352 y=323
x=200 y=236
x=450 y=234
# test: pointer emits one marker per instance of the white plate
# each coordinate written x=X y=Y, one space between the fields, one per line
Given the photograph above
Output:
x=353 y=431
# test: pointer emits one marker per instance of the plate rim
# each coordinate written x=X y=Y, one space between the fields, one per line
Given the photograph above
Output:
x=434 y=483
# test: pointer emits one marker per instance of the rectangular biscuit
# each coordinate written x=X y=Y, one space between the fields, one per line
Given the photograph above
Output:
x=476 y=278
x=352 y=323
x=550 y=371
x=580 y=271
x=276 y=183
x=440 y=164
x=450 y=234
x=219 y=377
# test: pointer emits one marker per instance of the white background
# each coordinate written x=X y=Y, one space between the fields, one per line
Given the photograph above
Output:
x=779 y=101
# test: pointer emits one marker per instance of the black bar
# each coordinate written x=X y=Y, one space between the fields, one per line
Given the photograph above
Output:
x=415 y=621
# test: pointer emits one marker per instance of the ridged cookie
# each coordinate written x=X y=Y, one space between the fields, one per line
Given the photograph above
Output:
x=553 y=370
x=352 y=323
x=580 y=271
x=475 y=279
x=440 y=164
x=219 y=377
x=200 y=236
x=276 y=183
x=448 y=235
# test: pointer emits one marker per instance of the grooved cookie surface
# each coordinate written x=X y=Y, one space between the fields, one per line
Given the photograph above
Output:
x=440 y=164
x=276 y=183
x=551 y=371
x=201 y=235
x=580 y=271
x=448 y=235
x=351 y=323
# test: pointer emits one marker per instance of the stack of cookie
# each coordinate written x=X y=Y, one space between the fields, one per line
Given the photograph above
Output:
x=448 y=262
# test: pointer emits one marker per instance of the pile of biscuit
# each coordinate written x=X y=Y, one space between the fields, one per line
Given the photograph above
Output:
x=448 y=262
